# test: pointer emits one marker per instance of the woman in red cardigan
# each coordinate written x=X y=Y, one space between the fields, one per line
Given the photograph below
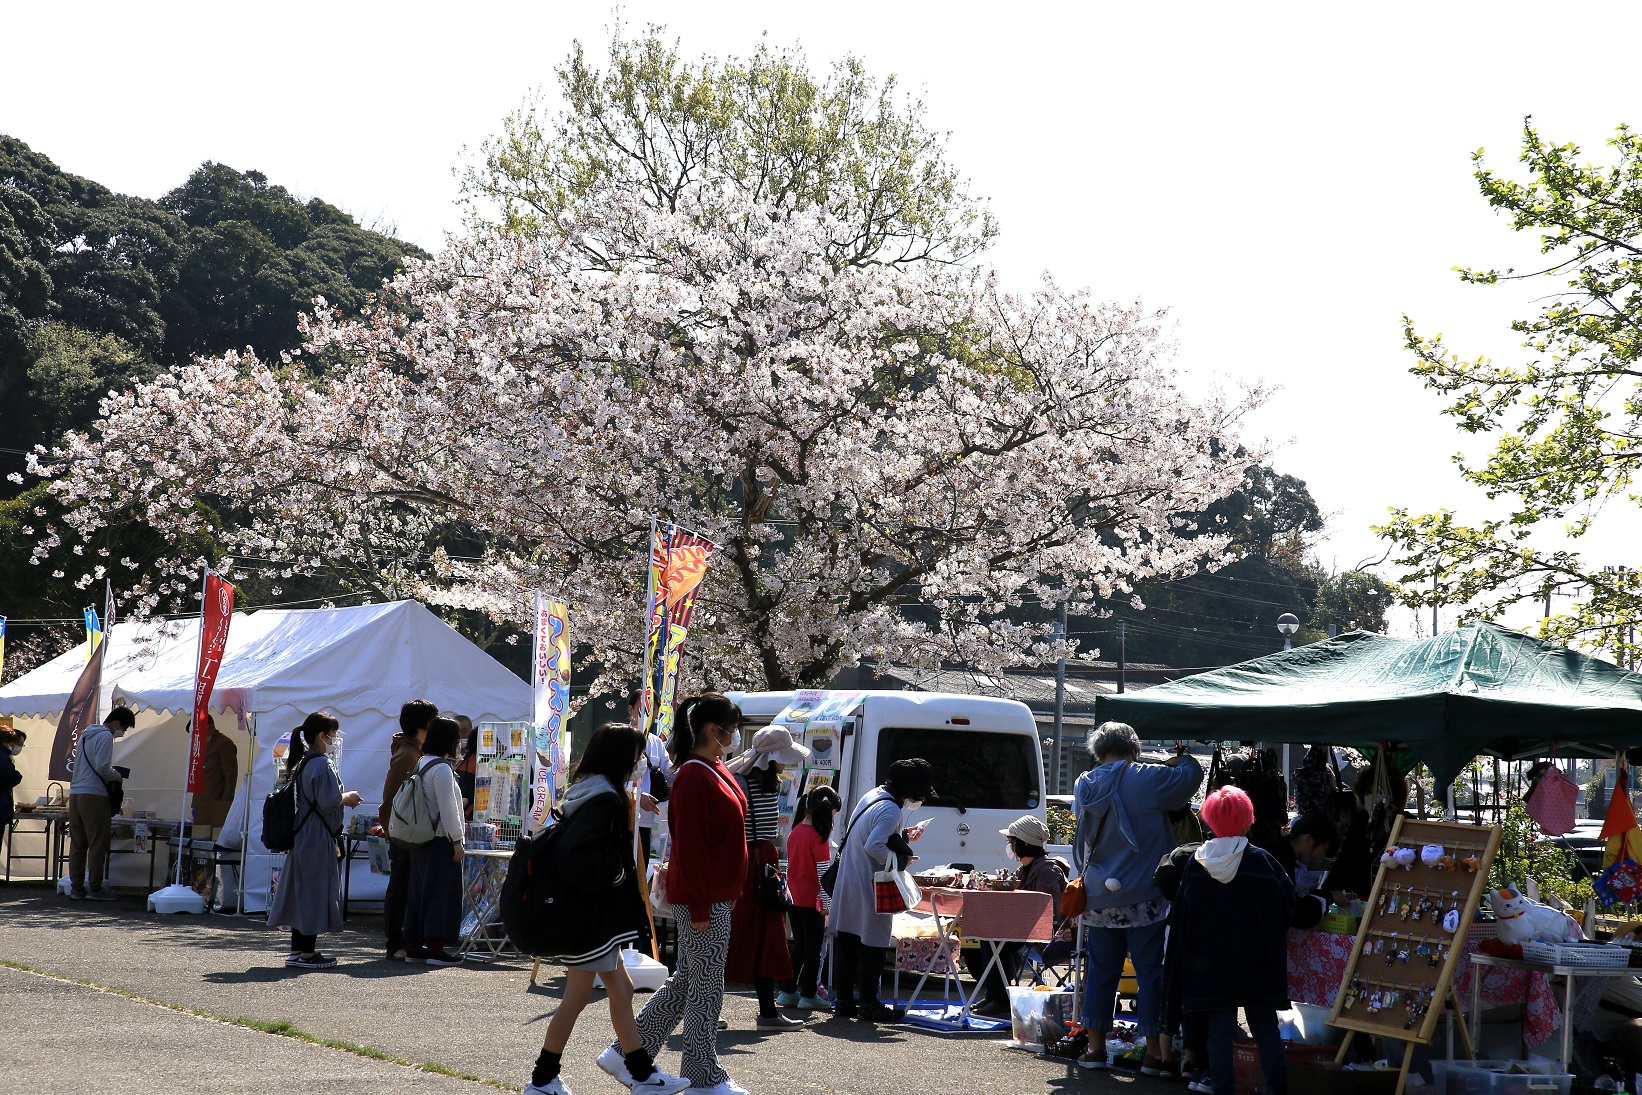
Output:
x=707 y=867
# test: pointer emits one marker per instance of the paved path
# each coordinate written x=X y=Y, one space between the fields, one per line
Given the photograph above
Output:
x=482 y=1021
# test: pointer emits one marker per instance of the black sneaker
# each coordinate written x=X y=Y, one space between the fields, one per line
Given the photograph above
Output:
x=441 y=958
x=314 y=961
x=1168 y=1070
x=882 y=1013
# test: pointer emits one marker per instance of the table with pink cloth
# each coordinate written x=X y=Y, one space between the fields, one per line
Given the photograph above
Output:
x=1317 y=964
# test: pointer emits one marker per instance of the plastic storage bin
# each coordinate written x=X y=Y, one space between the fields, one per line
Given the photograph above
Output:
x=1491 y=1078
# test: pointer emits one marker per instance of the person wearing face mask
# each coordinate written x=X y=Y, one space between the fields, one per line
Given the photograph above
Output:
x=308 y=898
x=11 y=743
x=706 y=872
x=876 y=839
x=1026 y=837
x=90 y=817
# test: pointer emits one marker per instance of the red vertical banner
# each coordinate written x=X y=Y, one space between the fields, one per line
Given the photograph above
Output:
x=217 y=613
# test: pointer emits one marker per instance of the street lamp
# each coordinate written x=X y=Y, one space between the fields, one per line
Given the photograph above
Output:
x=1288 y=623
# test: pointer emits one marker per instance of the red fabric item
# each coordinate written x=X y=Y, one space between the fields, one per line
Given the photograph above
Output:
x=707 y=818
x=808 y=853
x=1500 y=950
x=758 y=933
x=888 y=897
x=1620 y=817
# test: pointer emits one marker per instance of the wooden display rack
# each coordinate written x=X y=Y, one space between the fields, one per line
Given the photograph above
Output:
x=1411 y=961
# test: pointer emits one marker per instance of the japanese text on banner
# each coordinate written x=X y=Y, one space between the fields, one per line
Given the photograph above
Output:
x=550 y=676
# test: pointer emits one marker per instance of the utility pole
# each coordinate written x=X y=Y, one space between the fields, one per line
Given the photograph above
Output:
x=1433 y=602
x=1122 y=665
x=1060 y=695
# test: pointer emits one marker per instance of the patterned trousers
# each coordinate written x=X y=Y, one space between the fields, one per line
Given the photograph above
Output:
x=695 y=994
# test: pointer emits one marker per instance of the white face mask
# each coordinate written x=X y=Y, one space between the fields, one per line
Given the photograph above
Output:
x=1009 y=850
x=16 y=750
x=735 y=743
x=914 y=803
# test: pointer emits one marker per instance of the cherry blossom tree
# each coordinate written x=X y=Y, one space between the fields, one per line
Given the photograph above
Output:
x=890 y=459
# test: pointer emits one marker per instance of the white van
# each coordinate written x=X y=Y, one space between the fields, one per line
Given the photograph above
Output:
x=986 y=753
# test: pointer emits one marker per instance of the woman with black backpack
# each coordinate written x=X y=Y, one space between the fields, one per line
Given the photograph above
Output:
x=308 y=898
x=593 y=854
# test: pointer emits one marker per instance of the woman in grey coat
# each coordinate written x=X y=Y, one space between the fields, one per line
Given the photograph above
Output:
x=308 y=898
x=874 y=841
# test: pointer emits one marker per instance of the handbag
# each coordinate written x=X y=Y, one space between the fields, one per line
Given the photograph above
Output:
x=772 y=888
x=658 y=889
x=894 y=892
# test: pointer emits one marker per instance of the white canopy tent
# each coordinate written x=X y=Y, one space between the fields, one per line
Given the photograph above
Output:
x=361 y=664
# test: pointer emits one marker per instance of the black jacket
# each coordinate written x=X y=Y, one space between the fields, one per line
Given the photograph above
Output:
x=599 y=906
x=1228 y=941
x=1308 y=907
x=9 y=777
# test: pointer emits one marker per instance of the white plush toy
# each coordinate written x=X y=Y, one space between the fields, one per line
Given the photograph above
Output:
x=1521 y=919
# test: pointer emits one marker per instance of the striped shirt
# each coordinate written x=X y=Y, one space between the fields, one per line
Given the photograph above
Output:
x=763 y=814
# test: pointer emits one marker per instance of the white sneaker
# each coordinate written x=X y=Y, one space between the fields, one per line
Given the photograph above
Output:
x=612 y=1061
x=725 y=1087
x=555 y=1086
x=660 y=1083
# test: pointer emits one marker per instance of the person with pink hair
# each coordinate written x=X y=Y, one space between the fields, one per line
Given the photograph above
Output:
x=1228 y=949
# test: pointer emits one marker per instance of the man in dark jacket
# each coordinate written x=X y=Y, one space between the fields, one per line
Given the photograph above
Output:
x=414 y=719
x=1228 y=941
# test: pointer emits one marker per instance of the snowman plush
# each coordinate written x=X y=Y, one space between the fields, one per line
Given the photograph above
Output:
x=1521 y=920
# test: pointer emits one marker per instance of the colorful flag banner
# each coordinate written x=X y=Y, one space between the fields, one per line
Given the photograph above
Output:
x=2 y=648
x=678 y=563
x=94 y=631
x=216 y=614
x=550 y=677
x=79 y=712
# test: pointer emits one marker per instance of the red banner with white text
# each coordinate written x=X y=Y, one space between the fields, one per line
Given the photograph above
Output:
x=218 y=612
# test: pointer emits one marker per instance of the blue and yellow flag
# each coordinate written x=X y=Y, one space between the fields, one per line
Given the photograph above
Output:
x=94 y=631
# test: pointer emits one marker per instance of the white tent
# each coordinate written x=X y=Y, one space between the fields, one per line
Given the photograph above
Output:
x=359 y=663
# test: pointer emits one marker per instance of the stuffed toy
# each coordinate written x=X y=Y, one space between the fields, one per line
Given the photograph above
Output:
x=1521 y=920
x=1432 y=855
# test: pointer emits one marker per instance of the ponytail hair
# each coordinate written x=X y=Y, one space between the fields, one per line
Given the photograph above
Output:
x=818 y=808
x=302 y=738
x=693 y=716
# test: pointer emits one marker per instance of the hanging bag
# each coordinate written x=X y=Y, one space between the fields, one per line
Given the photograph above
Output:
x=1551 y=802
x=894 y=891
x=1317 y=781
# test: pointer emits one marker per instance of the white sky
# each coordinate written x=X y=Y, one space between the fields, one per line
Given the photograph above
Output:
x=1287 y=179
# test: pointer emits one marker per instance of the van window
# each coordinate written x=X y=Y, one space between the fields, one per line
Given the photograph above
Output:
x=977 y=769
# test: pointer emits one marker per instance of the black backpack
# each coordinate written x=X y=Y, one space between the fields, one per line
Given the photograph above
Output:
x=551 y=876
x=279 y=820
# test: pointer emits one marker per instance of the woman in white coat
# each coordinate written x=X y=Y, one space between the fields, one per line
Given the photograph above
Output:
x=874 y=841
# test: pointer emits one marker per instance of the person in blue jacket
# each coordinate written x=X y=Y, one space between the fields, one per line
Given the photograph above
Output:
x=1123 y=830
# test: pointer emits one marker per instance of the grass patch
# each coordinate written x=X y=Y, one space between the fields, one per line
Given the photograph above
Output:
x=279 y=1028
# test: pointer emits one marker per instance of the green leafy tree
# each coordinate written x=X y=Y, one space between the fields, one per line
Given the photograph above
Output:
x=71 y=368
x=1230 y=614
x=765 y=128
x=1355 y=601
x=1567 y=418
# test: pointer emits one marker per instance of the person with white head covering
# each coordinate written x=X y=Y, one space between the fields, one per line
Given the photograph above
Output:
x=758 y=930
x=1026 y=837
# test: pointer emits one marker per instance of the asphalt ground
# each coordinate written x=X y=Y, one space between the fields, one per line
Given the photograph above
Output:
x=156 y=989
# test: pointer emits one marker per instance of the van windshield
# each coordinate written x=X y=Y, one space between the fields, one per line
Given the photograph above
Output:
x=977 y=769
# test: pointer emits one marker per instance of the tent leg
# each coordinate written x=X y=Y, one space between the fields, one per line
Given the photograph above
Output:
x=245 y=819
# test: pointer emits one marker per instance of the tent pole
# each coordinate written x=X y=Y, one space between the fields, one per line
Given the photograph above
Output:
x=193 y=731
x=245 y=819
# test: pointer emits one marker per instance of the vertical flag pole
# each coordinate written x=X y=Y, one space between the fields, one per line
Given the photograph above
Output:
x=182 y=818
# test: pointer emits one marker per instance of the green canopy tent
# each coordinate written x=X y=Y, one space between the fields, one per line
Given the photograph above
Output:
x=1477 y=689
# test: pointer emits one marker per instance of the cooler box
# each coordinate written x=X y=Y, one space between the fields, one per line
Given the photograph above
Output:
x=1494 y=1078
